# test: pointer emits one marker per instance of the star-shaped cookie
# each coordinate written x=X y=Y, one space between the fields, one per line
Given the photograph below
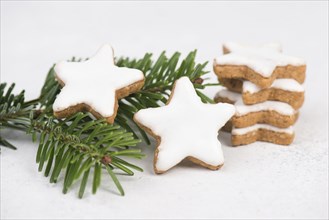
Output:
x=94 y=85
x=260 y=65
x=185 y=128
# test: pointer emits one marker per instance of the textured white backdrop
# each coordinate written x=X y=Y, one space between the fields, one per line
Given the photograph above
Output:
x=260 y=180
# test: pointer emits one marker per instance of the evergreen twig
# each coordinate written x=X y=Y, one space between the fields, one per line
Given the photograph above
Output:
x=14 y=112
x=79 y=143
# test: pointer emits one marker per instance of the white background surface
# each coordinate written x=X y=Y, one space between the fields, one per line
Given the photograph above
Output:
x=260 y=180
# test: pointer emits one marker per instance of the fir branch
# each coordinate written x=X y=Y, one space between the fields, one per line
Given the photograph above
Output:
x=80 y=143
x=14 y=111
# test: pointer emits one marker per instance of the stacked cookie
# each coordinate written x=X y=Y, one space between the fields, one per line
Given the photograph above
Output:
x=266 y=88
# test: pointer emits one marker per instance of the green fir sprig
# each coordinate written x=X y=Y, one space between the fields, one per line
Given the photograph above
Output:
x=14 y=112
x=77 y=144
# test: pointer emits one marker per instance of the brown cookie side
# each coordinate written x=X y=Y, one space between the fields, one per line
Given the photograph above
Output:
x=85 y=108
x=297 y=73
x=201 y=163
x=234 y=85
x=264 y=117
x=243 y=72
x=246 y=73
x=228 y=126
x=280 y=138
x=218 y=99
x=294 y=99
x=132 y=88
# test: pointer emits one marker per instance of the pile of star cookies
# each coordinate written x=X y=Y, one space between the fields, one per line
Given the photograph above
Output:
x=265 y=86
x=261 y=101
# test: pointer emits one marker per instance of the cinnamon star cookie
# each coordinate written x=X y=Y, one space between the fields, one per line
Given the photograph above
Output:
x=94 y=85
x=185 y=128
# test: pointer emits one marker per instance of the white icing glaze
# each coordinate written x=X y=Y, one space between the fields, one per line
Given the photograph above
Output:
x=242 y=109
x=241 y=131
x=93 y=82
x=187 y=127
x=280 y=107
x=284 y=84
x=262 y=60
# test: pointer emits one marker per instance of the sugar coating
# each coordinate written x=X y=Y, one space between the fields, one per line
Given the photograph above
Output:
x=93 y=82
x=243 y=109
x=283 y=84
x=187 y=127
x=280 y=107
x=241 y=131
x=262 y=60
